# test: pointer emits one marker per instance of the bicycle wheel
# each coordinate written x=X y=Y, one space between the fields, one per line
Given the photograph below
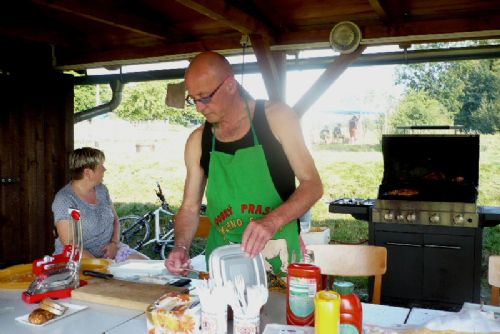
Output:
x=135 y=230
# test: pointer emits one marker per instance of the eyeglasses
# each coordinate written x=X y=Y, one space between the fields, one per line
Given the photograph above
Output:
x=205 y=99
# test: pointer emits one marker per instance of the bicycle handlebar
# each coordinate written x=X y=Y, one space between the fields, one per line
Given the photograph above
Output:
x=159 y=193
x=165 y=205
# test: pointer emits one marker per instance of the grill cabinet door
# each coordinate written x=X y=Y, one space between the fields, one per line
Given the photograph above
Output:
x=448 y=268
x=404 y=275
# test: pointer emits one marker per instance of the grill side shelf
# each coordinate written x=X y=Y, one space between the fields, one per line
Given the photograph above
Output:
x=489 y=216
x=358 y=211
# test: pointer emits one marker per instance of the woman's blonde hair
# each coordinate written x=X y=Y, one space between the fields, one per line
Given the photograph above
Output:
x=85 y=157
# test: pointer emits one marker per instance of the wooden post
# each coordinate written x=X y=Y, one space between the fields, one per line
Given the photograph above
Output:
x=267 y=66
x=331 y=73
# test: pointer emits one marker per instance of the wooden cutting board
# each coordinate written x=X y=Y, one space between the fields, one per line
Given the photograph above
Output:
x=132 y=295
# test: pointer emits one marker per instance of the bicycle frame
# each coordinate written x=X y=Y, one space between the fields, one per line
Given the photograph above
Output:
x=162 y=242
x=158 y=237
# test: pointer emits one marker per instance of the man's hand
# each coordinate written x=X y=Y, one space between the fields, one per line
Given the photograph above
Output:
x=256 y=235
x=110 y=250
x=178 y=261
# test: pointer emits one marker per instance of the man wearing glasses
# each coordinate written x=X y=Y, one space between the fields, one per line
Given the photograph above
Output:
x=247 y=155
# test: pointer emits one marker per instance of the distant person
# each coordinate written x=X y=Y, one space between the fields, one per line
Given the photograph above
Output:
x=353 y=128
x=85 y=192
x=338 y=137
x=324 y=135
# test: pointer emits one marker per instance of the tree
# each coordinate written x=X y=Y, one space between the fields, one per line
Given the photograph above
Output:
x=418 y=108
x=146 y=101
x=85 y=96
x=468 y=89
x=441 y=81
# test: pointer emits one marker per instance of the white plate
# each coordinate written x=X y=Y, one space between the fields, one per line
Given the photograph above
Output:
x=286 y=329
x=228 y=261
x=72 y=309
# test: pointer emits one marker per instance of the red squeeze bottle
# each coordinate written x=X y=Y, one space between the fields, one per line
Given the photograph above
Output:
x=303 y=281
x=351 y=311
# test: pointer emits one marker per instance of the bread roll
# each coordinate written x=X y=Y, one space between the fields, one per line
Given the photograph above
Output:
x=52 y=306
x=39 y=316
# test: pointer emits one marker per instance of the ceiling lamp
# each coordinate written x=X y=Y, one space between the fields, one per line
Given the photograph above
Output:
x=345 y=37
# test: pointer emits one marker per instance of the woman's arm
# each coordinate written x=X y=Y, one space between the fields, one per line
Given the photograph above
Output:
x=111 y=248
x=63 y=231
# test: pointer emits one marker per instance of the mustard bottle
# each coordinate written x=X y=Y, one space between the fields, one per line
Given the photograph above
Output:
x=327 y=312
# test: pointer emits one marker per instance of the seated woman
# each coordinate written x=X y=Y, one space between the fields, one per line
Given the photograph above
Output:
x=85 y=192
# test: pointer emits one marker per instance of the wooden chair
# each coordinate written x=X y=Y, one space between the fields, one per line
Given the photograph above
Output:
x=203 y=228
x=352 y=261
x=494 y=277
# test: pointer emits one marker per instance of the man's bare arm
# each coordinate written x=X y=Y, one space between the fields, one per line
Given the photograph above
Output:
x=187 y=219
x=286 y=128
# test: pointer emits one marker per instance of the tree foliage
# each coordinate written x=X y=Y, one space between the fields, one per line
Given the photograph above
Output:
x=86 y=96
x=141 y=101
x=469 y=90
x=418 y=108
x=146 y=101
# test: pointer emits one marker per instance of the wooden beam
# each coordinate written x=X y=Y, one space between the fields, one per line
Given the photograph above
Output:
x=280 y=62
x=107 y=13
x=273 y=15
x=379 y=9
x=267 y=66
x=377 y=33
x=222 y=11
x=332 y=72
x=75 y=59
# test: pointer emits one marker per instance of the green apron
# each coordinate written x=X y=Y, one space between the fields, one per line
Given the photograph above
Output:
x=240 y=189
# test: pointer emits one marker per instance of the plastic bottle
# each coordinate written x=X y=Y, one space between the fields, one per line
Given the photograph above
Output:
x=303 y=281
x=327 y=312
x=351 y=311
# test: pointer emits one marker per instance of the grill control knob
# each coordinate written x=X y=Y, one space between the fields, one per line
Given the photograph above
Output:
x=434 y=218
x=389 y=216
x=459 y=220
x=411 y=218
x=400 y=218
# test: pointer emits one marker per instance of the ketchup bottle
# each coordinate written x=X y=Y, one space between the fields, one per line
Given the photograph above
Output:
x=351 y=312
x=303 y=281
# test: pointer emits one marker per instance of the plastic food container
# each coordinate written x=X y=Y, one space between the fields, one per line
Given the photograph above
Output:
x=228 y=261
x=174 y=313
x=316 y=236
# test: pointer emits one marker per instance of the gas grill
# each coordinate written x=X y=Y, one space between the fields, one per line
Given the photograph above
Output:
x=426 y=216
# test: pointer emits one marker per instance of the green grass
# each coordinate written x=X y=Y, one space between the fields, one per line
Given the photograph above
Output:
x=346 y=171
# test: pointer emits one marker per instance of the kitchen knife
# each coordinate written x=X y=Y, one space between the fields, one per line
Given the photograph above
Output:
x=97 y=274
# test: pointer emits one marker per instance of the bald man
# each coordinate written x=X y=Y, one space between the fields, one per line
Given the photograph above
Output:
x=247 y=155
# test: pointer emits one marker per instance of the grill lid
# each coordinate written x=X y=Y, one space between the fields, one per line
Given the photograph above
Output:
x=441 y=168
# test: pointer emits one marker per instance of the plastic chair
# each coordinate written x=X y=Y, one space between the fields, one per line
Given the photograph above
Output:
x=494 y=277
x=352 y=261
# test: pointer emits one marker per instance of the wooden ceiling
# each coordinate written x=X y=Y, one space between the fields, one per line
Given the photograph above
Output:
x=89 y=33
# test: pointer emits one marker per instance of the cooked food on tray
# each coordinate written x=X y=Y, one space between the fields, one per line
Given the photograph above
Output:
x=403 y=192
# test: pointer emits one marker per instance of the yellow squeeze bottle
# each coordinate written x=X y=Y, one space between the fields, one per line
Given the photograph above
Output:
x=327 y=312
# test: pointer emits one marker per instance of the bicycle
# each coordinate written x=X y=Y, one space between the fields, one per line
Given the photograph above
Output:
x=136 y=230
